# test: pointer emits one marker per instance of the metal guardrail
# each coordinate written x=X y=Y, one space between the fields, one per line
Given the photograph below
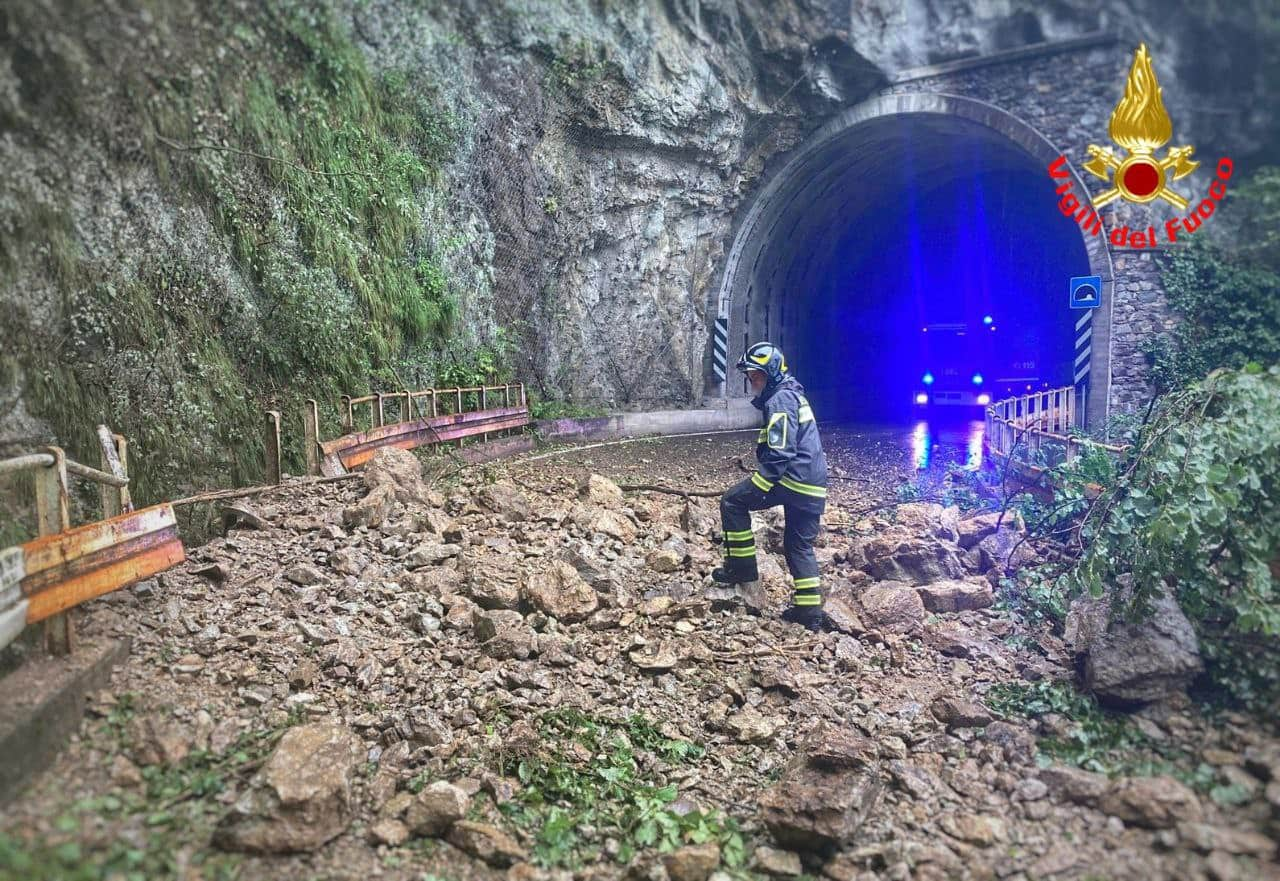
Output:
x=41 y=579
x=1039 y=423
x=429 y=416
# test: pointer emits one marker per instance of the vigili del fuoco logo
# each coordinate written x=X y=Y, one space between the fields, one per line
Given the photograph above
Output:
x=1141 y=126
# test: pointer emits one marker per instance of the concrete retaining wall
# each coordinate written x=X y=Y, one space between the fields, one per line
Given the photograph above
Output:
x=734 y=414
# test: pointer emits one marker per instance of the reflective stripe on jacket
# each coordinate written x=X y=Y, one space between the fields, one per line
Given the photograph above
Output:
x=789 y=448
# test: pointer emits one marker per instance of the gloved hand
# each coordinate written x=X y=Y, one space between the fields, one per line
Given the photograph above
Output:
x=812 y=618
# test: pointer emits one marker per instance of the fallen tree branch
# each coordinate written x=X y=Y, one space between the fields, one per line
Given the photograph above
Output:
x=220 y=494
x=686 y=493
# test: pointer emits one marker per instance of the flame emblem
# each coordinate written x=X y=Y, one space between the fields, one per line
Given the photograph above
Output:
x=1140 y=125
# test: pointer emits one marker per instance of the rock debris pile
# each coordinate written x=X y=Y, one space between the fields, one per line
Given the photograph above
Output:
x=402 y=655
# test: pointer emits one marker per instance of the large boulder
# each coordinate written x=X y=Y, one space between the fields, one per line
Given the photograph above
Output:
x=401 y=471
x=895 y=556
x=1130 y=662
x=892 y=606
x=812 y=810
x=957 y=595
x=607 y=522
x=560 y=592
x=301 y=798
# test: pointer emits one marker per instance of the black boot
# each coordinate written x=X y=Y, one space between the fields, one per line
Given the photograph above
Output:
x=812 y=618
x=730 y=574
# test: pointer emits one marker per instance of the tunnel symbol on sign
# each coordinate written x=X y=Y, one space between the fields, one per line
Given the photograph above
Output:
x=1086 y=292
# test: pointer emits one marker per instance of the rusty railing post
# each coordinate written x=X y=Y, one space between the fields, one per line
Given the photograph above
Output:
x=379 y=415
x=122 y=454
x=348 y=415
x=311 y=435
x=52 y=517
x=271 y=441
x=434 y=409
x=113 y=499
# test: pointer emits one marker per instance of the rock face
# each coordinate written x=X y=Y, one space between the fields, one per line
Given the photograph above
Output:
x=301 y=798
x=1135 y=662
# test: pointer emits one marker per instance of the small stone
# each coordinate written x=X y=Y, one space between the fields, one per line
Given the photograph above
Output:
x=430 y=554
x=189 y=664
x=598 y=490
x=390 y=832
x=1151 y=802
x=303 y=674
x=693 y=862
x=749 y=726
x=373 y=510
x=658 y=661
x=1074 y=785
x=124 y=772
x=842 y=617
x=559 y=591
x=1030 y=789
x=436 y=808
x=957 y=596
x=486 y=843
x=664 y=560
x=1205 y=838
x=301 y=798
x=780 y=863
x=955 y=712
x=893 y=607
x=304 y=575
x=984 y=831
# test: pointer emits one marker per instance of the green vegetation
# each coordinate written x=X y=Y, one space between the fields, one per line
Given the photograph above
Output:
x=173 y=810
x=585 y=785
x=1197 y=511
x=1096 y=739
x=315 y=173
x=1226 y=290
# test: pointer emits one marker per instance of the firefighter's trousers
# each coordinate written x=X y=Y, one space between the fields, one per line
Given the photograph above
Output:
x=803 y=515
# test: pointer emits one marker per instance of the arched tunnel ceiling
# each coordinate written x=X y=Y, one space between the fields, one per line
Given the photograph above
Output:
x=850 y=177
x=816 y=239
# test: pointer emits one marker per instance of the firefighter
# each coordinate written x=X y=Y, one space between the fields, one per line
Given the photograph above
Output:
x=792 y=473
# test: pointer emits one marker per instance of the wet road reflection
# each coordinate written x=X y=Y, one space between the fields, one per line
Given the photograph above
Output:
x=923 y=449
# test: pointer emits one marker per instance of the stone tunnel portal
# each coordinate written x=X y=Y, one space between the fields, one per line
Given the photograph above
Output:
x=915 y=257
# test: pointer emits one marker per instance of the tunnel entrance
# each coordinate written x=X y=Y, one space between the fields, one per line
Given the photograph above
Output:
x=911 y=260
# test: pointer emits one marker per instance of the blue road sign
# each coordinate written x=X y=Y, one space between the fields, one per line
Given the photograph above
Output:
x=1086 y=292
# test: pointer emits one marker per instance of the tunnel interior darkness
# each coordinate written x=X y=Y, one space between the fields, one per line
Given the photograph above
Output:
x=910 y=224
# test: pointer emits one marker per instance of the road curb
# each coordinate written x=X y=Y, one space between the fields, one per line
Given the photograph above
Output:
x=42 y=703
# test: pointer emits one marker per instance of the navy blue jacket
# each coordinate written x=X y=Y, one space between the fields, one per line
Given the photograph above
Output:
x=789 y=449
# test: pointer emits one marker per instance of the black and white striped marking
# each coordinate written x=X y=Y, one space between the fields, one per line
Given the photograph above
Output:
x=720 y=347
x=1084 y=346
